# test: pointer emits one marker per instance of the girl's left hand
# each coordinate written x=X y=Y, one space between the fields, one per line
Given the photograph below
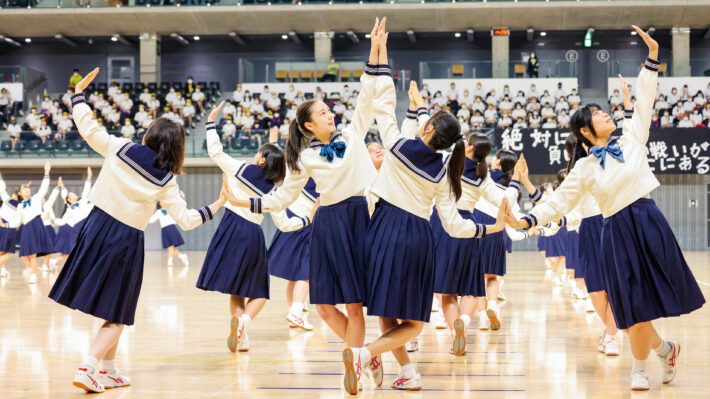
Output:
x=215 y=112
x=81 y=86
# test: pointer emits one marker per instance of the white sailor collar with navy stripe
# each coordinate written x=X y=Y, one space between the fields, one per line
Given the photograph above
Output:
x=252 y=177
x=315 y=143
x=141 y=159
x=12 y=203
x=420 y=159
x=469 y=174
x=309 y=190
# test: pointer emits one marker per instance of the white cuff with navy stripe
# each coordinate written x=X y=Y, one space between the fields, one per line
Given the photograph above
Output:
x=563 y=221
x=78 y=99
x=531 y=219
x=652 y=65
x=536 y=196
x=515 y=184
x=480 y=231
x=422 y=111
x=205 y=213
x=411 y=114
x=628 y=113
x=255 y=205
x=306 y=220
x=210 y=125
x=378 y=70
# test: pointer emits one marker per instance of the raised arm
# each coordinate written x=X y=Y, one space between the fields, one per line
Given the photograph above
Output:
x=646 y=87
x=454 y=224
x=44 y=187
x=87 y=184
x=3 y=191
x=215 y=150
x=52 y=198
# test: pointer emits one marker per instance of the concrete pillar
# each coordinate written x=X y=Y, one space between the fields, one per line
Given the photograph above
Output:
x=500 y=56
x=681 y=50
x=150 y=58
x=322 y=46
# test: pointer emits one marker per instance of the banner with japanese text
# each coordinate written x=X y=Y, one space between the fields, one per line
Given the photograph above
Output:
x=670 y=150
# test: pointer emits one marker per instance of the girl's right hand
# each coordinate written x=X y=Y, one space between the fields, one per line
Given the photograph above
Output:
x=215 y=112
x=81 y=86
x=415 y=95
x=315 y=208
x=60 y=183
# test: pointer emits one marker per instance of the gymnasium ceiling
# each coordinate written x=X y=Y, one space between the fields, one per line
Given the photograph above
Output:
x=278 y=19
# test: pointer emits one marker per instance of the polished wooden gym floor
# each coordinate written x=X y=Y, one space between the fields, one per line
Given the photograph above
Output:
x=177 y=349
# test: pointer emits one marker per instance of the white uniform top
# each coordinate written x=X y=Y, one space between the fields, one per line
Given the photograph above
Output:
x=129 y=183
x=162 y=216
x=413 y=176
x=301 y=208
x=79 y=210
x=14 y=130
x=9 y=211
x=619 y=184
x=343 y=177
x=47 y=211
x=32 y=207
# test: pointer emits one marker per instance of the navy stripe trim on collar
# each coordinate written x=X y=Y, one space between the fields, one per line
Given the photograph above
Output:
x=396 y=151
x=139 y=169
x=315 y=143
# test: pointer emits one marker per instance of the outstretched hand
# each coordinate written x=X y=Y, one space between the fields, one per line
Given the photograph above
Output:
x=81 y=86
x=47 y=167
x=650 y=42
x=415 y=96
x=215 y=112
x=60 y=182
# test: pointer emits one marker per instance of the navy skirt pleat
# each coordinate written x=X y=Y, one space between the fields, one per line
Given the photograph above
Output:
x=558 y=244
x=338 y=259
x=457 y=271
x=34 y=238
x=400 y=264
x=104 y=271
x=8 y=239
x=171 y=236
x=543 y=244
x=646 y=274
x=572 y=254
x=508 y=242
x=51 y=234
x=289 y=253
x=236 y=262
x=65 y=240
x=590 y=237
x=491 y=248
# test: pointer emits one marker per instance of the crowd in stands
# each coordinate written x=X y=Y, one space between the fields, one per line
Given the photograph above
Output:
x=478 y=108
x=675 y=108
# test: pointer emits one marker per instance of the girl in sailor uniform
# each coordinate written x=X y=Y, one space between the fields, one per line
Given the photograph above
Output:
x=339 y=163
x=169 y=234
x=48 y=221
x=33 y=237
x=645 y=274
x=104 y=272
x=557 y=245
x=289 y=254
x=76 y=209
x=236 y=260
x=8 y=232
x=402 y=258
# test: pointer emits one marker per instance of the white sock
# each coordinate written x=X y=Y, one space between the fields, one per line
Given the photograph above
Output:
x=244 y=320
x=492 y=304
x=365 y=355
x=108 y=365
x=608 y=337
x=638 y=365
x=89 y=364
x=482 y=314
x=170 y=261
x=408 y=370
x=297 y=309
x=663 y=349
x=466 y=320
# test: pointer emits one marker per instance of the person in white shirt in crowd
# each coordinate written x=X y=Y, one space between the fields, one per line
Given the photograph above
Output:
x=533 y=120
x=438 y=99
x=560 y=92
x=466 y=99
x=561 y=105
x=44 y=132
x=141 y=115
x=478 y=104
x=352 y=101
x=696 y=118
x=229 y=130
x=257 y=108
x=170 y=97
x=491 y=98
x=143 y=97
x=520 y=98
x=615 y=100
x=66 y=98
x=465 y=128
x=247 y=123
x=674 y=96
x=349 y=111
x=425 y=92
x=319 y=95
x=685 y=93
x=699 y=99
x=505 y=121
x=265 y=94
x=46 y=104
x=113 y=88
x=126 y=105
x=563 y=119
x=533 y=91
x=154 y=105
x=346 y=93
x=283 y=129
x=666 y=119
x=477 y=121
x=506 y=90
x=550 y=123
x=291 y=112
x=13 y=132
x=178 y=102
x=290 y=94
x=229 y=109
x=128 y=131
x=491 y=115
x=547 y=111
x=64 y=125
x=706 y=114
x=238 y=95
x=573 y=98
x=618 y=114
x=113 y=118
x=505 y=105
x=661 y=104
x=478 y=91
x=464 y=113
x=547 y=98
x=688 y=106
x=520 y=123
x=145 y=124
x=339 y=109
x=677 y=110
x=685 y=121
x=198 y=98
x=33 y=120
x=518 y=112
x=274 y=102
x=707 y=91
x=188 y=113
x=533 y=105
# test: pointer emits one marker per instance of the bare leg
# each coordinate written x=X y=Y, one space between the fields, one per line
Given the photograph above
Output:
x=105 y=339
x=300 y=291
x=236 y=305
x=643 y=337
x=396 y=337
x=491 y=287
x=468 y=305
x=254 y=306
x=335 y=319
x=289 y=292
x=450 y=306
x=400 y=353
x=355 y=330
x=611 y=328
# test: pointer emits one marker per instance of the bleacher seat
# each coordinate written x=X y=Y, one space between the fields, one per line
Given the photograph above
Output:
x=78 y=145
x=139 y=86
x=74 y=135
x=34 y=145
x=238 y=144
x=281 y=75
x=153 y=87
x=91 y=87
x=319 y=74
x=178 y=86
x=519 y=69
x=358 y=73
x=49 y=146
x=27 y=136
x=62 y=145
x=6 y=145
x=165 y=87
x=345 y=74
x=293 y=75
x=214 y=86
x=102 y=87
x=457 y=70
x=308 y=95
x=253 y=144
x=307 y=74
x=127 y=87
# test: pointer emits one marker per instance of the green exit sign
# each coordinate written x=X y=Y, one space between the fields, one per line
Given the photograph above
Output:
x=588 y=38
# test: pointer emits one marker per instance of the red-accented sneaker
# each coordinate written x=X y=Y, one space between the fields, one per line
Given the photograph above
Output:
x=113 y=379
x=669 y=361
x=353 y=370
x=299 y=321
x=87 y=382
x=232 y=340
x=408 y=384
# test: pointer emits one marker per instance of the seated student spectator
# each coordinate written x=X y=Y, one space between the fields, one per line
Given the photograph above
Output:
x=618 y=115
x=291 y=112
x=229 y=110
x=706 y=114
x=343 y=124
x=491 y=98
x=189 y=85
x=520 y=123
x=655 y=122
x=520 y=98
x=274 y=102
x=561 y=104
x=563 y=119
x=491 y=116
x=547 y=98
x=477 y=121
x=505 y=121
x=75 y=78
x=13 y=131
x=145 y=125
x=283 y=129
x=533 y=105
x=666 y=119
x=533 y=92
x=46 y=104
x=229 y=130
x=699 y=99
x=290 y=95
x=128 y=131
x=426 y=94
x=466 y=99
x=573 y=98
x=478 y=90
x=688 y=106
x=550 y=123
x=339 y=110
x=349 y=111
x=141 y=115
x=113 y=118
x=33 y=120
x=265 y=94
x=547 y=111
x=677 y=110
x=64 y=125
x=661 y=104
x=247 y=122
x=505 y=105
x=7 y=106
x=198 y=98
x=438 y=99
x=674 y=96
x=178 y=102
x=464 y=112
x=560 y=92
x=478 y=105
x=188 y=113
x=452 y=98
x=44 y=132
x=465 y=128
x=66 y=99
x=113 y=88
x=154 y=105
x=331 y=71
x=685 y=121
x=533 y=120
x=346 y=92
x=616 y=99
x=697 y=118
x=238 y=95
x=319 y=94
x=145 y=97
x=247 y=101
x=685 y=93
x=257 y=107
x=125 y=104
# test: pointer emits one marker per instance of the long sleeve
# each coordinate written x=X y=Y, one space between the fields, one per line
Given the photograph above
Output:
x=176 y=207
x=516 y=235
x=52 y=198
x=87 y=189
x=386 y=102
x=155 y=217
x=215 y=150
x=414 y=120
x=562 y=201
x=3 y=191
x=364 y=110
x=63 y=193
x=451 y=220
x=94 y=134
x=286 y=224
x=43 y=188
x=646 y=87
x=549 y=230
x=494 y=195
x=572 y=219
x=282 y=197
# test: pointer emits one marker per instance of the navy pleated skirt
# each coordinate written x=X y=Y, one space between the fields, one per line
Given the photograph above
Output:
x=457 y=271
x=290 y=253
x=508 y=242
x=171 y=237
x=646 y=274
x=65 y=239
x=590 y=237
x=8 y=239
x=400 y=264
x=51 y=233
x=543 y=244
x=104 y=271
x=572 y=254
x=236 y=262
x=338 y=268
x=491 y=248
x=557 y=244
x=34 y=238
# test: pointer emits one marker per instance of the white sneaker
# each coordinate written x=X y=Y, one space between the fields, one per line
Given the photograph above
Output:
x=113 y=379
x=408 y=384
x=299 y=321
x=590 y=306
x=611 y=347
x=494 y=318
x=233 y=339
x=458 y=346
x=556 y=282
x=376 y=370
x=639 y=381
x=85 y=381
x=441 y=324
x=669 y=361
x=44 y=268
x=170 y=262
x=600 y=345
x=548 y=274
x=183 y=258
x=32 y=279
x=243 y=345
x=577 y=293
x=412 y=345
x=484 y=323
x=4 y=272
x=353 y=370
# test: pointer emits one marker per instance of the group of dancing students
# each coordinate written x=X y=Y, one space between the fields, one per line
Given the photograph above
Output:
x=366 y=236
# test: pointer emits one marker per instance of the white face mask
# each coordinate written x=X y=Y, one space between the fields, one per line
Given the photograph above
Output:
x=189 y=81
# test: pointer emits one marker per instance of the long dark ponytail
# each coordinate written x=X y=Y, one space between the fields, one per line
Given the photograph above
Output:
x=447 y=132
x=507 y=160
x=482 y=146
x=298 y=135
